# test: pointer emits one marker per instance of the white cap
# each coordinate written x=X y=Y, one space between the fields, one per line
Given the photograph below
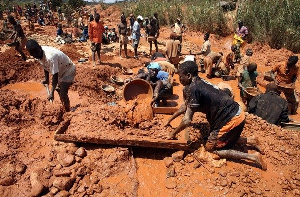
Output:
x=189 y=58
x=140 y=17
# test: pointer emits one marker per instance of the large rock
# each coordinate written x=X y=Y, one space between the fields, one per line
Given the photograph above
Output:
x=177 y=156
x=171 y=183
x=62 y=172
x=65 y=159
x=62 y=194
x=168 y=161
x=63 y=183
x=36 y=186
x=6 y=181
x=81 y=152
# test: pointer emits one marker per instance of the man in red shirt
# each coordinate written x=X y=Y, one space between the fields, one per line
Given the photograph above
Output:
x=96 y=30
x=286 y=75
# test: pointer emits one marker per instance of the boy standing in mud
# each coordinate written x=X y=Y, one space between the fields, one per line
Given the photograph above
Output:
x=225 y=116
x=18 y=36
x=59 y=65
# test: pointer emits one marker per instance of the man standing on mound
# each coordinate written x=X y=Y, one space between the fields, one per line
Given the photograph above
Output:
x=59 y=65
x=225 y=116
x=96 y=30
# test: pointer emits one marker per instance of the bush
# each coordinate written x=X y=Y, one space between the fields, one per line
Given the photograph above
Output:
x=276 y=23
x=195 y=13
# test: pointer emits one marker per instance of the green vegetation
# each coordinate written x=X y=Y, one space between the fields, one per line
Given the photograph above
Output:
x=195 y=13
x=276 y=22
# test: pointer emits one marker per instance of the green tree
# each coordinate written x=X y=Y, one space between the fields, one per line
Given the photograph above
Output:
x=76 y=3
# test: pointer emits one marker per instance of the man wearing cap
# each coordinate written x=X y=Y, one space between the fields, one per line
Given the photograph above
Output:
x=59 y=65
x=136 y=34
x=270 y=106
x=96 y=30
x=159 y=80
x=286 y=76
x=18 y=36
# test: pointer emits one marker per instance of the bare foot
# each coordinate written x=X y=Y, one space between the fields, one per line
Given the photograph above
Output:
x=260 y=161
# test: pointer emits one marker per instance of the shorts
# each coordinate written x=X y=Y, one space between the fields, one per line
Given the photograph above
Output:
x=151 y=39
x=123 y=39
x=229 y=134
x=96 y=47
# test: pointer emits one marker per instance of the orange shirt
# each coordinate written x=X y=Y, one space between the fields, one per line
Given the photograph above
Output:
x=95 y=31
x=286 y=78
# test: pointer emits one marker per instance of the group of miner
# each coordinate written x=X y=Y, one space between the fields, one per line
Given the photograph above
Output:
x=225 y=116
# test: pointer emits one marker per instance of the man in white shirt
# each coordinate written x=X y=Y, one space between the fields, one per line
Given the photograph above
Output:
x=59 y=65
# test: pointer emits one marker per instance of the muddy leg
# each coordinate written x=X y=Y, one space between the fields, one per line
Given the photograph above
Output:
x=64 y=97
x=125 y=49
x=120 y=51
x=150 y=47
x=233 y=154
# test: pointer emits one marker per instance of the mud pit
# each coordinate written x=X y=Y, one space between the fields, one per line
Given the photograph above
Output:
x=32 y=163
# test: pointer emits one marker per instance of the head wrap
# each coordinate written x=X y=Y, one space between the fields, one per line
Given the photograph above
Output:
x=154 y=65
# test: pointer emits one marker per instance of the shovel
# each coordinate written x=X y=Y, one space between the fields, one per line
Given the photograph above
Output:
x=48 y=92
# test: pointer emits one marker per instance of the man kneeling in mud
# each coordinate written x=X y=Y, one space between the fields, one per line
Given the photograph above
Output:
x=225 y=116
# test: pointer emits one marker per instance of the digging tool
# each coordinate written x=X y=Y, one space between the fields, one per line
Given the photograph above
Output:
x=48 y=92
x=201 y=163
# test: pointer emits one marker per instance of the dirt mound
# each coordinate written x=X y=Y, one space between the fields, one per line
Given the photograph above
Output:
x=14 y=69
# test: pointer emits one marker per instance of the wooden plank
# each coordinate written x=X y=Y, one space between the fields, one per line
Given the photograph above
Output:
x=291 y=125
x=142 y=142
x=164 y=110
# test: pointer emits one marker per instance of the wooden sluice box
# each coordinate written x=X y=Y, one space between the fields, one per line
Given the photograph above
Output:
x=62 y=134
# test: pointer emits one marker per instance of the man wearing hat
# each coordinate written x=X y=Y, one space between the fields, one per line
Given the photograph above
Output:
x=136 y=34
x=159 y=80
x=59 y=65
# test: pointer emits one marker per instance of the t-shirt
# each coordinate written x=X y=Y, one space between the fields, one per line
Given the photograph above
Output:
x=202 y=96
x=136 y=31
x=55 y=61
x=95 y=31
x=242 y=31
x=286 y=78
x=162 y=75
x=206 y=48
x=249 y=79
x=270 y=107
x=59 y=32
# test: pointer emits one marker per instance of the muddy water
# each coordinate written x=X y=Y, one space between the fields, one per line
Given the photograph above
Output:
x=37 y=90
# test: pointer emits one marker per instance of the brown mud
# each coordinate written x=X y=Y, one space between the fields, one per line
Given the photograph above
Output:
x=33 y=164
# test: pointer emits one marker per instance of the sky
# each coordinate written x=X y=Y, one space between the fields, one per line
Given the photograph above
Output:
x=105 y=1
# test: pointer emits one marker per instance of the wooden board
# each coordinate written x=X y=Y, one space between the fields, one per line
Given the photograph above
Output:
x=291 y=125
x=164 y=110
x=60 y=135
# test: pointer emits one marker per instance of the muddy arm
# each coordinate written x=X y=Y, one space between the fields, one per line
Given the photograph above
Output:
x=186 y=120
x=180 y=111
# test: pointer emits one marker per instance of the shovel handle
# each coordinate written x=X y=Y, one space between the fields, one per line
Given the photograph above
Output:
x=48 y=92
